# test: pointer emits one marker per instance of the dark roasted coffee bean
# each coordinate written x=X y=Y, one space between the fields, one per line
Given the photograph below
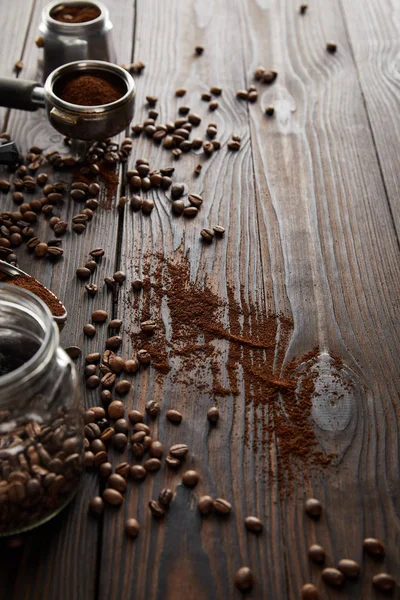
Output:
x=135 y=416
x=123 y=469
x=153 y=408
x=117 y=482
x=384 y=582
x=178 y=206
x=332 y=577
x=113 y=497
x=114 y=342
x=172 y=462
x=190 y=212
x=242 y=94
x=96 y=253
x=122 y=387
x=116 y=409
x=152 y=100
x=106 y=397
x=244 y=579
x=197 y=169
x=213 y=414
x=105 y=470
x=233 y=146
x=90 y=370
x=180 y=92
x=116 y=364
x=99 y=316
x=83 y=273
x=93 y=357
x=331 y=47
x=349 y=568
x=138 y=472
x=152 y=464
x=93 y=382
x=89 y=330
x=131 y=365
x=156 y=510
x=107 y=434
x=110 y=283
x=178 y=450
x=205 y=505
x=194 y=119
x=374 y=547
x=207 y=235
x=184 y=110
x=91 y=289
x=253 y=524
x=92 y=431
x=73 y=352
x=313 y=508
x=190 y=478
x=165 y=497
x=195 y=200
x=143 y=356
x=316 y=553
x=177 y=190
x=137 y=450
x=121 y=426
x=97 y=446
x=120 y=441
x=166 y=182
x=174 y=416
x=156 y=449
x=206 y=96
x=222 y=506
x=199 y=50
x=96 y=506
x=309 y=592
x=303 y=9
x=147 y=206
x=213 y=105
x=132 y=528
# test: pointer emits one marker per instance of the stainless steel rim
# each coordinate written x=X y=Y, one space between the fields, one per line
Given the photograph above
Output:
x=74 y=28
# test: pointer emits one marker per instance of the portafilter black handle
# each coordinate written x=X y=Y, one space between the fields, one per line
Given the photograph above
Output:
x=21 y=94
x=8 y=154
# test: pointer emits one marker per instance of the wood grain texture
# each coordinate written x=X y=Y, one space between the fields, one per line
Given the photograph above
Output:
x=70 y=554
x=374 y=30
x=318 y=181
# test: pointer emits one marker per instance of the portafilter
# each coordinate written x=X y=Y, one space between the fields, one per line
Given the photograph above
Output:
x=88 y=123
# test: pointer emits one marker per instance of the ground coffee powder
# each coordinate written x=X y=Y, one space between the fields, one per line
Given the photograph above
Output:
x=90 y=90
x=75 y=14
x=32 y=285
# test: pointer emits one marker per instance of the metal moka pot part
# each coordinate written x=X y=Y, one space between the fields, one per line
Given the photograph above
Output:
x=88 y=123
x=68 y=42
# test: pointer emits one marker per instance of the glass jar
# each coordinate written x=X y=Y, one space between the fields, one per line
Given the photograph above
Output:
x=41 y=420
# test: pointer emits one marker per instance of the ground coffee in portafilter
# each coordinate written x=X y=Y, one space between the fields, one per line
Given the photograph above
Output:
x=75 y=14
x=90 y=89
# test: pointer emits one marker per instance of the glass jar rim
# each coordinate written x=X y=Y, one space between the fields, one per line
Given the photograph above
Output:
x=37 y=310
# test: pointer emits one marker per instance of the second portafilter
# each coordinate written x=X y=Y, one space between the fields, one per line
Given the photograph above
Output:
x=88 y=123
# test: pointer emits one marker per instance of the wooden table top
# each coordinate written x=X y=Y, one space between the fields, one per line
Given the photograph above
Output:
x=311 y=212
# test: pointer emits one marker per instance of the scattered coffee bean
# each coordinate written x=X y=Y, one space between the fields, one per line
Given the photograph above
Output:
x=120 y=441
x=123 y=387
x=253 y=524
x=117 y=482
x=190 y=212
x=242 y=94
x=309 y=592
x=172 y=462
x=197 y=169
x=96 y=506
x=222 y=506
x=244 y=579
x=180 y=92
x=99 y=316
x=152 y=464
x=207 y=235
x=156 y=449
x=73 y=352
x=177 y=190
x=91 y=289
x=156 y=510
x=233 y=146
x=110 y=283
x=374 y=547
x=105 y=470
x=332 y=577
x=147 y=206
x=115 y=324
x=132 y=527
x=112 y=497
x=89 y=330
x=349 y=568
x=195 y=200
x=178 y=206
x=153 y=408
x=119 y=277
x=331 y=47
x=135 y=416
x=384 y=582
x=179 y=450
x=137 y=285
x=190 y=478
x=151 y=100
x=316 y=553
x=165 y=497
x=269 y=111
x=93 y=357
x=148 y=326
x=116 y=409
x=303 y=9
x=218 y=230
x=213 y=105
x=143 y=357
x=215 y=90
x=83 y=273
x=116 y=364
x=138 y=472
x=199 y=50
x=108 y=379
x=313 y=508
x=114 y=342
x=205 y=505
x=174 y=416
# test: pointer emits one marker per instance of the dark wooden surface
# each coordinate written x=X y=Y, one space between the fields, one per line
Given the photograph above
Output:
x=310 y=205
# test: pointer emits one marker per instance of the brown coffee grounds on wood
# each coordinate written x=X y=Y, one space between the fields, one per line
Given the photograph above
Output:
x=90 y=90
x=34 y=286
x=278 y=416
x=109 y=176
x=75 y=14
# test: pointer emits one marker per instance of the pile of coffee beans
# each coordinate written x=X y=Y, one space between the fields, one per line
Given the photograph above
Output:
x=40 y=468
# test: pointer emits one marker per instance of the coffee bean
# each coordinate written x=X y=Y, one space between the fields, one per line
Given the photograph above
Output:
x=180 y=92
x=166 y=183
x=83 y=272
x=177 y=190
x=97 y=252
x=93 y=382
x=269 y=111
x=349 y=568
x=242 y=94
x=156 y=449
x=123 y=469
x=115 y=324
x=97 y=446
x=122 y=387
x=147 y=206
x=138 y=437
x=88 y=460
x=137 y=284
x=156 y=510
x=110 y=283
x=135 y=416
x=138 y=472
x=132 y=528
x=213 y=105
x=178 y=450
x=190 y=212
x=131 y=366
x=148 y=326
x=119 y=276
x=197 y=169
x=316 y=553
x=91 y=289
x=195 y=200
x=106 y=397
x=332 y=577
x=194 y=119
x=99 y=316
x=117 y=482
x=178 y=206
x=244 y=579
x=233 y=146
x=143 y=356
x=313 y=508
x=89 y=417
x=96 y=506
x=331 y=47
x=152 y=464
x=172 y=462
x=41 y=250
x=105 y=470
x=309 y=592
x=174 y=416
x=184 y=110
x=116 y=409
x=384 y=582
x=199 y=50
x=153 y=408
x=253 y=524
x=190 y=478
x=89 y=330
x=100 y=457
x=117 y=364
x=205 y=505
x=114 y=342
x=374 y=547
x=112 y=497
x=93 y=357
x=222 y=506
x=207 y=235
x=120 y=441
x=73 y=352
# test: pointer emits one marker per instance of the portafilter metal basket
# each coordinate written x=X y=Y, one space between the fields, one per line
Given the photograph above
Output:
x=68 y=42
x=88 y=123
